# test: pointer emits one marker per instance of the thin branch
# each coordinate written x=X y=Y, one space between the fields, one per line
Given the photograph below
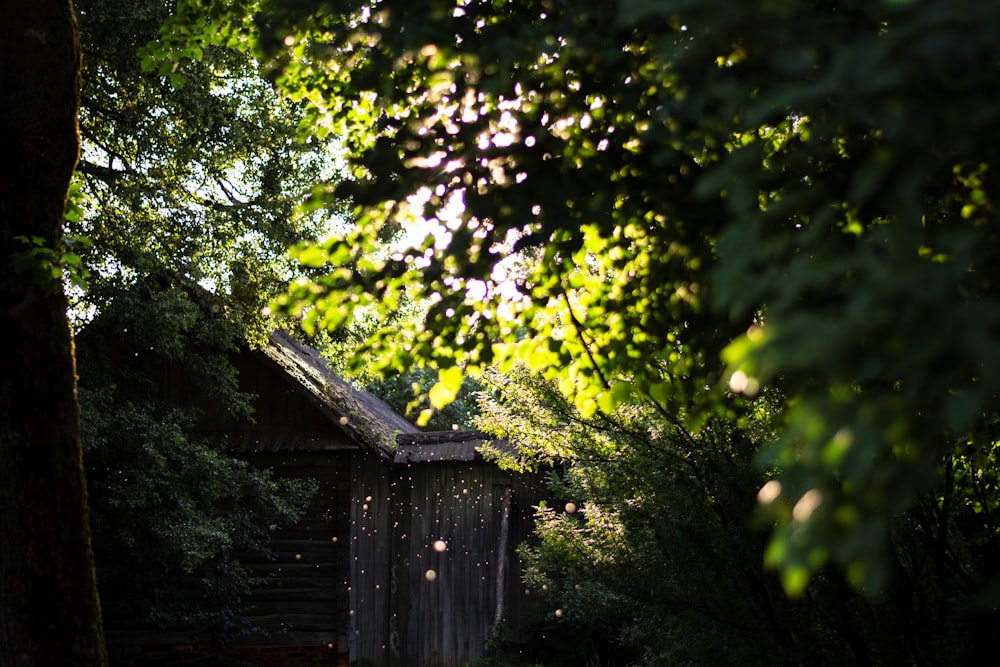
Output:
x=227 y=190
x=106 y=174
x=89 y=136
x=583 y=340
x=89 y=103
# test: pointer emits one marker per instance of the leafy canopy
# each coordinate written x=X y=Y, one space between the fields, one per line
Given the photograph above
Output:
x=193 y=168
x=676 y=203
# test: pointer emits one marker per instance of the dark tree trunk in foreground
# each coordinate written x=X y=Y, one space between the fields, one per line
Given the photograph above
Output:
x=49 y=613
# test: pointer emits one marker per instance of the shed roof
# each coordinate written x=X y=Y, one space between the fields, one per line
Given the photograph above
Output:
x=366 y=418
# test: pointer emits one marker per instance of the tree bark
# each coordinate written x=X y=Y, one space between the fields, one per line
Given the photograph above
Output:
x=49 y=611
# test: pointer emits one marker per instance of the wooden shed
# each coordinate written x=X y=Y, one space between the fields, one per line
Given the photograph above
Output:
x=408 y=553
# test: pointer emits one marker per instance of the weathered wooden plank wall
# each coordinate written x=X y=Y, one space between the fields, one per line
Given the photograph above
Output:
x=447 y=536
x=305 y=599
x=354 y=573
x=369 y=560
x=450 y=595
x=286 y=417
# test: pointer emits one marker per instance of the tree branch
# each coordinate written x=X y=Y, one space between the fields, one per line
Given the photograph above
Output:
x=583 y=341
x=106 y=174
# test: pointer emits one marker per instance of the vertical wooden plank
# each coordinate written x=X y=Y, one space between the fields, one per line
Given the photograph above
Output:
x=370 y=561
x=399 y=584
x=421 y=518
x=355 y=596
x=471 y=518
x=501 y=572
x=432 y=607
x=450 y=597
x=483 y=525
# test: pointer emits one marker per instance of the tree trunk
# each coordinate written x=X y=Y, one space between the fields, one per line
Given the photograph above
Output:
x=49 y=613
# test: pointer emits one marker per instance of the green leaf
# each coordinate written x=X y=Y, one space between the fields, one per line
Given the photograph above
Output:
x=447 y=387
x=619 y=393
x=313 y=256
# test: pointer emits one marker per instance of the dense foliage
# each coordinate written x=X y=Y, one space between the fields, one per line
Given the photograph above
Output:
x=187 y=183
x=648 y=551
x=651 y=554
x=171 y=510
x=708 y=213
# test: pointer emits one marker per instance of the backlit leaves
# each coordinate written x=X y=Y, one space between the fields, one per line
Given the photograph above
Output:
x=704 y=201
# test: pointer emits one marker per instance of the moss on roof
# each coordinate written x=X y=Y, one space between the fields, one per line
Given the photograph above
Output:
x=368 y=419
